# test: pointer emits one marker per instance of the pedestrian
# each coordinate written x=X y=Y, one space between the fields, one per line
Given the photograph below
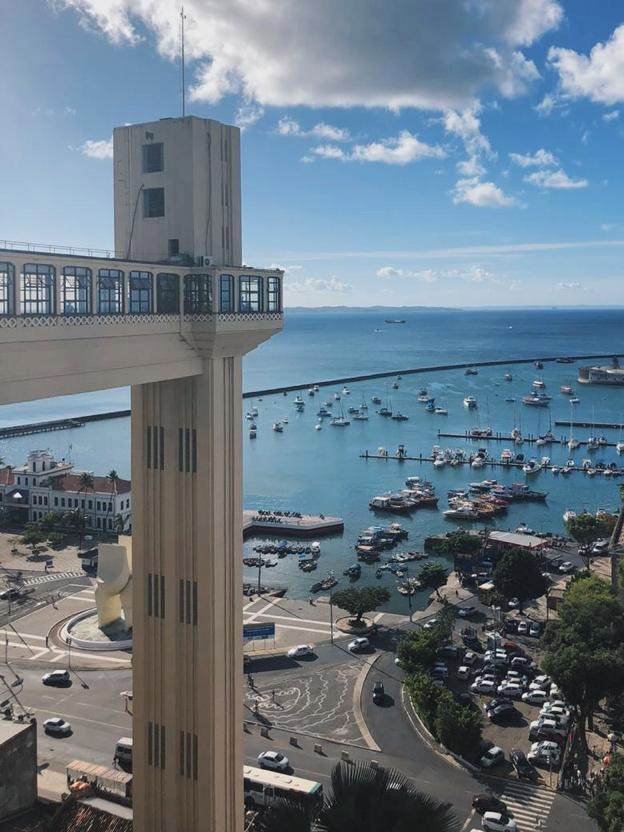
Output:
x=46 y=641
x=457 y=593
x=273 y=695
x=250 y=680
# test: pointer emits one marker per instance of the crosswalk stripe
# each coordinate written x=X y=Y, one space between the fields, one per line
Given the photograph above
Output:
x=52 y=576
x=528 y=805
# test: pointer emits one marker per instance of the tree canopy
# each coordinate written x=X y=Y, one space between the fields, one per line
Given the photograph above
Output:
x=584 y=647
x=586 y=528
x=607 y=804
x=358 y=601
x=518 y=575
x=366 y=799
x=433 y=576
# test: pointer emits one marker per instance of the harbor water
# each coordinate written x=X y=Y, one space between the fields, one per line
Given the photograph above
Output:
x=321 y=471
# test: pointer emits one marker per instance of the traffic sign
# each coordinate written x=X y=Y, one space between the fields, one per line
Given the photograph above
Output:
x=251 y=632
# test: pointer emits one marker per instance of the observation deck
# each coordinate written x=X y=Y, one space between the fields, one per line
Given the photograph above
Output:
x=72 y=323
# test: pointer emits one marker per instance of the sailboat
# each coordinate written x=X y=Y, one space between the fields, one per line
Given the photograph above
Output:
x=620 y=444
x=572 y=442
x=340 y=421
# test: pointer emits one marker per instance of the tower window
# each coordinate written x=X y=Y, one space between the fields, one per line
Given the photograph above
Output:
x=38 y=283
x=174 y=247
x=154 y=202
x=110 y=292
x=140 y=293
x=7 y=289
x=250 y=290
x=153 y=158
x=168 y=293
x=197 y=293
x=226 y=300
x=76 y=290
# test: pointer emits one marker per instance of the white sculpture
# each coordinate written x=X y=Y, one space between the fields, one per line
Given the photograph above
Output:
x=113 y=590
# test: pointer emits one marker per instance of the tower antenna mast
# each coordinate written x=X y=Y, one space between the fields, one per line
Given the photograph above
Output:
x=183 y=90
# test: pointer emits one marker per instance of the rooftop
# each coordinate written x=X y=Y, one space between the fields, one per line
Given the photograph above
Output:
x=10 y=729
x=72 y=482
x=521 y=541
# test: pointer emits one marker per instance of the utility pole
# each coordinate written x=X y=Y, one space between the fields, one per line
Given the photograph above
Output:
x=331 y=617
x=260 y=562
x=69 y=644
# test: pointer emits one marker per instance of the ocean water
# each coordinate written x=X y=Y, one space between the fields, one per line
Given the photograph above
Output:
x=322 y=471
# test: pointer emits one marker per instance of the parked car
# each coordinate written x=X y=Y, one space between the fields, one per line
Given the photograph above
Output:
x=535 y=629
x=359 y=644
x=379 y=693
x=440 y=671
x=523 y=628
x=492 y=757
x=541 y=683
x=57 y=727
x=430 y=624
x=469 y=658
x=466 y=612
x=56 y=677
x=517 y=677
x=498 y=822
x=483 y=686
x=299 y=651
x=545 y=752
x=557 y=708
x=513 y=603
x=448 y=650
x=522 y=766
x=566 y=567
x=486 y=802
x=546 y=729
x=510 y=689
x=274 y=760
x=503 y=711
x=535 y=697
x=463 y=672
x=523 y=663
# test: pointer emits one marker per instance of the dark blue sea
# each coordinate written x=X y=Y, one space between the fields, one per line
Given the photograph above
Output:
x=322 y=471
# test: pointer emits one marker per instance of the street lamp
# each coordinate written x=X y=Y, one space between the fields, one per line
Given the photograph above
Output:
x=331 y=617
x=69 y=644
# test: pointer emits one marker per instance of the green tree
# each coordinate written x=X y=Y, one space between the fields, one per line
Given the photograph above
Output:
x=518 y=575
x=119 y=524
x=607 y=804
x=113 y=478
x=425 y=696
x=56 y=538
x=586 y=529
x=366 y=799
x=458 y=727
x=418 y=649
x=32 y=537
x=433 y=576
x=359 y=601
x=584 y=651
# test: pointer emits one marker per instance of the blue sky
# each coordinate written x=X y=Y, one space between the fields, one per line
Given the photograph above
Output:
x=396 y=152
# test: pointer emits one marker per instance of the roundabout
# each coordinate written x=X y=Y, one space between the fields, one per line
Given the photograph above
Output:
x=82 y=631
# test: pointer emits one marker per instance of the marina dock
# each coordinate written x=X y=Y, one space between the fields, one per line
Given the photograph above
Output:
x=503 y=437
x=279 y=525
x=492 y=463
x=565 y=423
x=59 y=424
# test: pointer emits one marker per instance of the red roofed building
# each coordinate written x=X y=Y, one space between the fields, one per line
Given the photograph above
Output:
x=44 y=485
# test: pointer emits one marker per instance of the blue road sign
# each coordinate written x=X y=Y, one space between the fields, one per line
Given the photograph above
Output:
x=251 y=632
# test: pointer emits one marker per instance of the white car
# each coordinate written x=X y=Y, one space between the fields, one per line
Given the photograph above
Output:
x=483 y=686
x=57 y=727
x=510 y=689
x=566 y=567
x=469 y=658
x=523 y=628
x=540 y=683
x=299 y=651
x=463 y=672
x=359 y=644
x=546 y=727
x=513 y=603
x=535 y=697
x=274 y=760
x=497 y=822
x=56 y=677
x=544 y=752
x=430 y=624
x=492 y=757
x=556 y=703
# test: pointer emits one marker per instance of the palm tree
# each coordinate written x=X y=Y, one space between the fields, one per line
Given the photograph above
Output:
x=119 y=524
x=113 y=478
x=86 y=483
x=369 y=800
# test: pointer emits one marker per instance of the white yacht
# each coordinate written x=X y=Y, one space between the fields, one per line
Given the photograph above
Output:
x=346 y=391
x=278 y=427
x=477 y=462
x=573 y=443
x=318 y=427
x=531 y=467
x=337 y=396
x=539 y=383
x=252 y=432
x=470 y=401
x=508 y=377
x=565 y=388
x=441 y=411
x=568 y=515
x=620 y=447
x=506 y=456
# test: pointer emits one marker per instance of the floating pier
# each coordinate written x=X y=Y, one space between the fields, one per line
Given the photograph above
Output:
x=565 y=423
x=493 y=463
x=500 y=437
x=279 y=525
x=59 y=424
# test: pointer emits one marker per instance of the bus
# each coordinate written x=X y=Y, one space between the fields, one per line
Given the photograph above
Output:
x=263 y=788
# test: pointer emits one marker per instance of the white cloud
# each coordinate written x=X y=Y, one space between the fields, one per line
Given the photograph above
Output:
x=350 y=53
x=290 y=127
x=541 y=158
x=554 y=179
x=317 y=284
x=599 y=76
x=471 y=274
x=611 y=116
x=481 y=194
x=466 y=125
x=470 y=167
x=402 y=150
x=399 y=150
x=102 y=149
x=572 y=285
x=248 y=114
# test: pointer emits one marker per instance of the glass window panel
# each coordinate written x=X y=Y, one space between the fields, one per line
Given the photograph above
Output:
x=7 y=289
x=153 y=158
x=197 y=294
x=154 y=202
x=110 y=292
x=76 y=294
x=226 y=294
x=250 y=294
x=140 y=293
x=274 y=295
x=168 y=294
x=38 y=289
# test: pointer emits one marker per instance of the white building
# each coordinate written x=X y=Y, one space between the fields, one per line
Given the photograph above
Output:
x=44 y=485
